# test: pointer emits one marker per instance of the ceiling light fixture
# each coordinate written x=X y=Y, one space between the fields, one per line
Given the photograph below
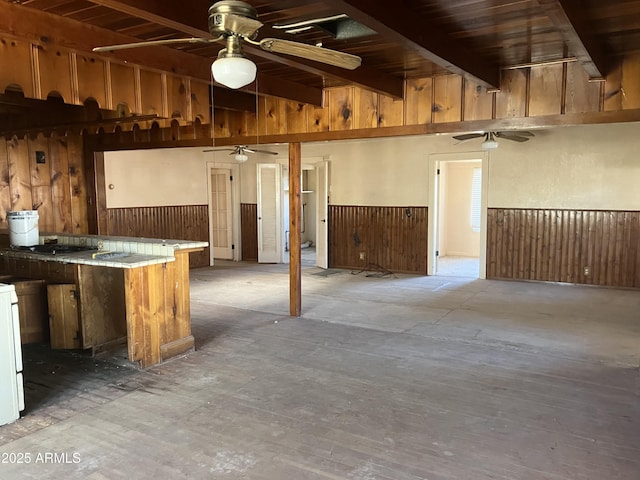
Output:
x=234 y=72
x=490 y=143
x=242 y=157
x=232 y=69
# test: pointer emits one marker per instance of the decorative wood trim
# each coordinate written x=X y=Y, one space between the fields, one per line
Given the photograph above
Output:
x=102 y=218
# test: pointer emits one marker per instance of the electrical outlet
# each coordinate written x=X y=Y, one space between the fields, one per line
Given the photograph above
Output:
x=362 y=256
x=587 y=271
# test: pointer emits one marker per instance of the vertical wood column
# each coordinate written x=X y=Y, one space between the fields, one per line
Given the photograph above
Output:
x=99 y=192
x=295 y=214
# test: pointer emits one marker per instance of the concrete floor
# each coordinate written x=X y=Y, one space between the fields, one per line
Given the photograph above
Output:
x=384 y=377
x=453 y=266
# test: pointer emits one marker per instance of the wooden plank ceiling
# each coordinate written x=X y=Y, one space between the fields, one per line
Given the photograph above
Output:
x=405 y=39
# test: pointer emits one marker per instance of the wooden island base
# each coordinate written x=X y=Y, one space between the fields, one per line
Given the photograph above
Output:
x=96 y=305
x=158 y=311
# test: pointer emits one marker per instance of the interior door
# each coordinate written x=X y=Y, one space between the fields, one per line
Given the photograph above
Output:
x=221 y=212
x=322 y=213
x=269 y=213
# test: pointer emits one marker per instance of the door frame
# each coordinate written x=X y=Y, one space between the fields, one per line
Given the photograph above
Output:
x=432 y=227
x=235 y=206
x=322 y=206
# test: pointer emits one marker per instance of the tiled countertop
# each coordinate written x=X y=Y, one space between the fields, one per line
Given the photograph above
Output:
x=117 y=252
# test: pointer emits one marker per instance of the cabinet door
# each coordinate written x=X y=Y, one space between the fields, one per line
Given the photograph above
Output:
x=64 y=323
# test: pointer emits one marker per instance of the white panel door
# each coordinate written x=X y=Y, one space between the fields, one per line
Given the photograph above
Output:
x=322 y=213
x=221 y=214
x=269 y=213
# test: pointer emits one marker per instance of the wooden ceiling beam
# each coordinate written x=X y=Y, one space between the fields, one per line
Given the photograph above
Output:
x=44 y=28
x=192 y=21
x=171 y=15
x=401 y=24
x=569 y=18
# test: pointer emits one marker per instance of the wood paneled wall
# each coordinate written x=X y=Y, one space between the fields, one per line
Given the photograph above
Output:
x=55 y=188
x=392 y=238
x=40 y=70
x=530 y=97
x=249 y=230
x=537 y=91
x=575 y=246
x=188 y=222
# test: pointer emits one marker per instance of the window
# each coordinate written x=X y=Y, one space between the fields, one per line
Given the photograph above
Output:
x=476 y=198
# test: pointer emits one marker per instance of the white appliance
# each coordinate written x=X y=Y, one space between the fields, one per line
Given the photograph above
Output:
x=11 y=383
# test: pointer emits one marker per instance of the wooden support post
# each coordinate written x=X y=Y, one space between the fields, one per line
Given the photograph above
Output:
x=295 y=216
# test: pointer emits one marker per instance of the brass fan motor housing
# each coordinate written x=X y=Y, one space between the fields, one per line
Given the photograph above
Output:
x=222 y=15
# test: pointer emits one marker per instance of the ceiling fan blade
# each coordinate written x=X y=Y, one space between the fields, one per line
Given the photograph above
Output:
x=515 y=136
x=260 y=151
x=232 y=150
x=468 y=136
x=153 y=43
x=317 y=54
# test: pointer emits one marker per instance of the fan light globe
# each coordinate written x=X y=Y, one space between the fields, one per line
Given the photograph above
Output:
x=241 y=157
x=489 y=145
x=233 y=72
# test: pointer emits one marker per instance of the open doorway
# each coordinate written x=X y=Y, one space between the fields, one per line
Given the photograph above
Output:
x=308 y=223
x=459 y=186
x=458 y=215
x=273 y=213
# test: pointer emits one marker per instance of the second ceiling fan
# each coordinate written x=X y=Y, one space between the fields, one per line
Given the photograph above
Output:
x=240 y=152
x=490 y=138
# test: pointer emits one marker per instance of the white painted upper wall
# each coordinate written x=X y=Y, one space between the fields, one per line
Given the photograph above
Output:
x=587 y=167
x=590 y=167
x=379 y=172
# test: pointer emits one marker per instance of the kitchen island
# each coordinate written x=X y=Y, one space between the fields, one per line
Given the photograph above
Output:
x=111 y=290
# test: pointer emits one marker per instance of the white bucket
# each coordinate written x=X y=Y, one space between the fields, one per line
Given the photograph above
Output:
x=23 y=228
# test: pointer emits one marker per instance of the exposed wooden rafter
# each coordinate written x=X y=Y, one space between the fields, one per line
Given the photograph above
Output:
x=192 y=20
x=569 y=18
x=401 y=25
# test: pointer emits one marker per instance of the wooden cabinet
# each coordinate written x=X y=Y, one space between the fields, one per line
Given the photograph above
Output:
x=32 y=309
x=101 y=302
x=64 y=321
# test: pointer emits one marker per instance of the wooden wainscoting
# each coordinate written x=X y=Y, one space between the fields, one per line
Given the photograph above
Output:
x=185 y=222
x=576 y=246
x=393 y=238
x=249 y=230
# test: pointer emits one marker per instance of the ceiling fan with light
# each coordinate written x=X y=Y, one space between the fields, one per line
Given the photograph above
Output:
x=240 y=152
x=235 y=23
x=490 y=138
